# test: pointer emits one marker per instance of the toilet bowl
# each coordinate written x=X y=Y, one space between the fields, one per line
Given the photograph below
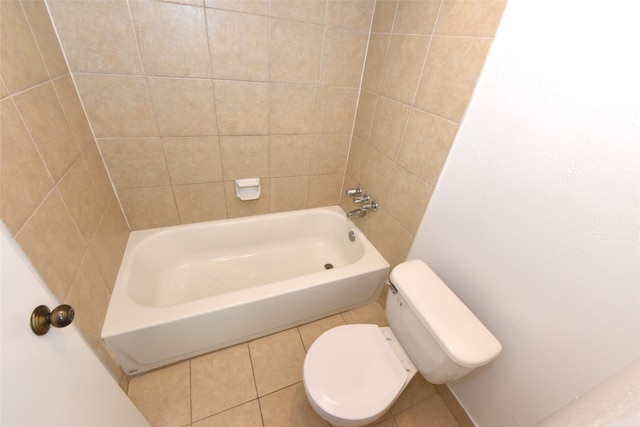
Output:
x=352 y=374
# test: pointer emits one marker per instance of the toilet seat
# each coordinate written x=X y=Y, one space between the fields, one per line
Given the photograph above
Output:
x=353 y=373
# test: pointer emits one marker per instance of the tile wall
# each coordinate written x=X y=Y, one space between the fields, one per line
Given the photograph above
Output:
x=186 y=96
x=55 y=195
x=422 y=64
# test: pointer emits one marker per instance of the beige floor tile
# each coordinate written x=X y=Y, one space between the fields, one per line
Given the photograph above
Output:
x=246 y=415
x=289 y=407
x=417 y=390
x=389 y=422
x=431 y=412
x=277 y=360
x=371 y=313
x=163 y=396
x=313 y=330
x=221 y=380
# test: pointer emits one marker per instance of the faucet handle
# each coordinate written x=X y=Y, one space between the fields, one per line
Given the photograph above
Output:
x=373 y=206
x=354 y=192
x=362 y=199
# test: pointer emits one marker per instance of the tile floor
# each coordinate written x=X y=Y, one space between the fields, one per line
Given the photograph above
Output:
x=259 y=383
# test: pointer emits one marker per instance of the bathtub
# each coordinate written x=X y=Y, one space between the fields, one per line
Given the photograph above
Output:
x=190 y=289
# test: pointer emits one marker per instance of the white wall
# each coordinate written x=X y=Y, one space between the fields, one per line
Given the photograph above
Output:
x=535 y=220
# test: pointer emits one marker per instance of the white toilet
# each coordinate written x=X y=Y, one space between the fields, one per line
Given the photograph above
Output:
x=353 y=373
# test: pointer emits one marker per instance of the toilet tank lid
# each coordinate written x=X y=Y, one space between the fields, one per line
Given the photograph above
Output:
x=456 y=329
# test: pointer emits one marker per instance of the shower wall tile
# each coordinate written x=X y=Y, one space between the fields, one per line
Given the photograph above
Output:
x=450 y=75
x=192 y=160
x=242 y=108
x=342 y=58
x=295 y=51
x=328 y=155
x=172 y=39
x=312 y=11
x=239 y=45
x=20 y=62
x=350 y=14
x=135 y=162
x=117 y=106
x=3 y=90
x=199 y=202
x=324 y=190
x=43 y=31
x=73 y=111
x=98 y=173
x=149 y=207
x=423 y=61
x=290 y=155
x=24 y=180
x=183 y=107
x=97 y=36
x=244 y=157
x=258 y=7
x=336 y=109
x=292 y=109
x=49 y=233
x=288 y=193
x=46 y=122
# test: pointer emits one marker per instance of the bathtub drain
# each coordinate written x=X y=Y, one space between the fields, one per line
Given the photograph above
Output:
x=328 y=266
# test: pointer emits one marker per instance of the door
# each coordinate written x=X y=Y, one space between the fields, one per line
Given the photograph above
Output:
x=53 y=379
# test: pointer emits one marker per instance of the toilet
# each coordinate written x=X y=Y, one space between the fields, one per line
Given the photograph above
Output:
x=352 y=374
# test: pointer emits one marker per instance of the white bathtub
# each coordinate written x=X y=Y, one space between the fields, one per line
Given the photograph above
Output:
x=190 y=289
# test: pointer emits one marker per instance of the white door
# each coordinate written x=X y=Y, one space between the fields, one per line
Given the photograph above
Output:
x=53 y=379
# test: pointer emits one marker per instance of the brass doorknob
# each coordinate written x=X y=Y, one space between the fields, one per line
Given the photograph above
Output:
x=42 y=319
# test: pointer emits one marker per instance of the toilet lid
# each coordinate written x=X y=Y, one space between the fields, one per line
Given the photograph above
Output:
x=352 y=373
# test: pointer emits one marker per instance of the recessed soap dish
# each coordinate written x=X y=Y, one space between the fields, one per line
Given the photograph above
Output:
x=248 y=189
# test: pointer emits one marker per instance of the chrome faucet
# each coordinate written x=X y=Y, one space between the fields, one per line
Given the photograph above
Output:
x=362 y=211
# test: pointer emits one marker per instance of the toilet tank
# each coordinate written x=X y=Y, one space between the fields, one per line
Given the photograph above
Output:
x=444 y=339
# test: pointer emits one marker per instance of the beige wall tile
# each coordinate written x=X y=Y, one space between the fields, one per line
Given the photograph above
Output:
x=407 y=199
x=45 y=35
x=329 y=154
x=149 y=207
x=296 y=50
x=299 y=10
x=172 y=39
x=24 y=180
x=193 y=160
x=289 y=407
x=21 y=65
x=403 y=67
x=3 y=89
x=200 y=202
x=239 y=208
x=426 y=144
x=183 y=107
x=238 y=45
x=245 y=415
x=52 y=243
x=98 y=173
x=357 y=160
x=44 y=118
x=187 y=2
x=290 y=155
x=451 y=71
x=242 y=108
x=364 y=115
x=376 y=57
x=324 y=190
x=388 y=127
x=277 y=360
x=97 y=36
x=89 y=296
x=336 y=109
x=221 y=380
x=109 y=242
x=244 y=157
x=343 y=57
x=391 y=239
x=135 y=162
x=288 y=193
x=291 y=109
x=258 y=7
x=73 y=111
x=384 y=16
x=81 y=198
x=163 y=395
x=377 y=174
x=416 y=17
x=470 y=18
x=117 y=106
x=350 y=14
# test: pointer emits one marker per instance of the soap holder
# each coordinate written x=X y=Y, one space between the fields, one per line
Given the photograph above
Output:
x=248 y=189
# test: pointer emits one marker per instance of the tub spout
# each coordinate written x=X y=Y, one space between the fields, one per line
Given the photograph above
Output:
x=357 y=213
